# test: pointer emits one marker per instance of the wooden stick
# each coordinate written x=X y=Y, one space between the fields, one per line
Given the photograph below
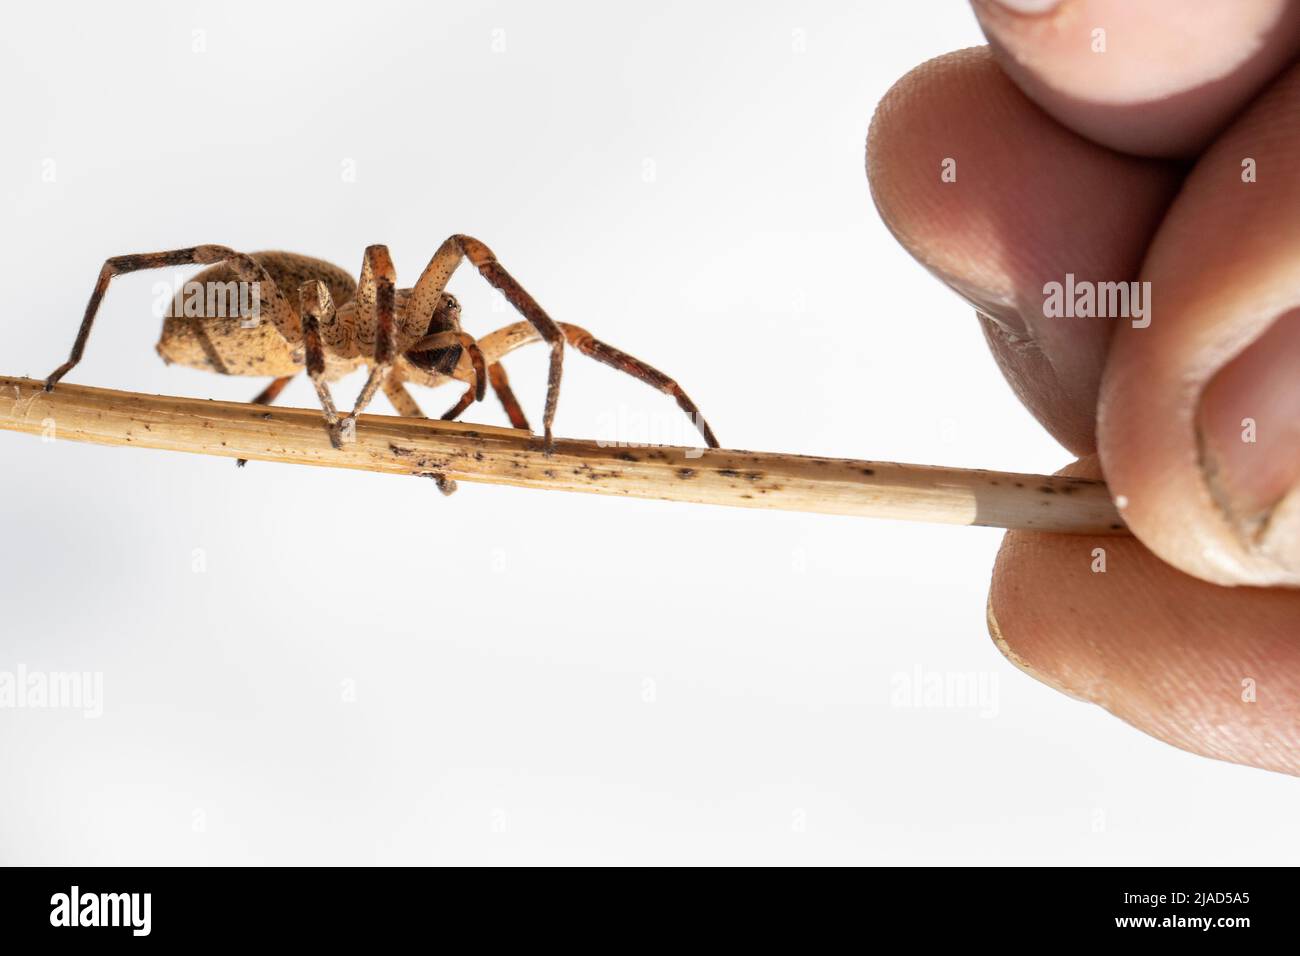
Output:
x=415 y=446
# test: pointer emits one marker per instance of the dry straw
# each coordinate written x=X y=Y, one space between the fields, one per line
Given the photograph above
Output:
x=477 y=453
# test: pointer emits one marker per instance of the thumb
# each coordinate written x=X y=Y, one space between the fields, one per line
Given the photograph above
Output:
x=1199 y=427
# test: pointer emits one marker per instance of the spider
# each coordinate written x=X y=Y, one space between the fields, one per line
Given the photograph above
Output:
x=402 y=335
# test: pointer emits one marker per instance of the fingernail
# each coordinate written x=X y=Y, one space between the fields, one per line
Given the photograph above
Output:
x=1000 y=311
x=995 y=632
x=1249 y=425
x=1029 y=6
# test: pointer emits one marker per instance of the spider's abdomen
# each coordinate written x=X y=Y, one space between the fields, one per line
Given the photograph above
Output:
x=205 y=330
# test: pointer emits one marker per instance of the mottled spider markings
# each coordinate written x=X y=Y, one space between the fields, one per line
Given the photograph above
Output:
x=400 y=335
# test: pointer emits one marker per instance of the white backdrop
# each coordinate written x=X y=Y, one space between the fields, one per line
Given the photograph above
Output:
x=320 y=666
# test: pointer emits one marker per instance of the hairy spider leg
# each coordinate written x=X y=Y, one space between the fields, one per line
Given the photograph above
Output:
x=433 y=280
x=501 y=385
x=375 y=298
x=511 y=337
x=589 y=345
x=403 y=402
x=243 y=265
x=316 y=305
x=272 y=391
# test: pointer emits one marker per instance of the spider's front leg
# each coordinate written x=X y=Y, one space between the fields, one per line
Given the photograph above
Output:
x=376 y=295
x=425 y=297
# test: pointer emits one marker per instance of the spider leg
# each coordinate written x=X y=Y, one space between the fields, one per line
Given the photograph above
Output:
x=265 y=397
x=501 y=385
x=403 y=403
x=272 y=391
x=317 y=305
x=504 y=341
x=425 y=296
x=589 y=345
x=375 y=299
x=244 y=266
x=466 y=400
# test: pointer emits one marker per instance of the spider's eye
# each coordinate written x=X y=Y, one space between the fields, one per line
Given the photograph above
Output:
x=446 y=317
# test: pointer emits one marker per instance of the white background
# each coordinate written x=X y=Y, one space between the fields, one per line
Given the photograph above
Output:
x=538 y=677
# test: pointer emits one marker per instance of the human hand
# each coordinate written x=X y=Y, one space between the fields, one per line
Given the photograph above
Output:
x=1169 y=155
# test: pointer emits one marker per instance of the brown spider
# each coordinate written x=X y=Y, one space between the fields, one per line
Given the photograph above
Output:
x=402 y=335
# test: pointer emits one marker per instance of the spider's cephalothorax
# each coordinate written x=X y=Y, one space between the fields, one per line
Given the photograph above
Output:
x=306 y=313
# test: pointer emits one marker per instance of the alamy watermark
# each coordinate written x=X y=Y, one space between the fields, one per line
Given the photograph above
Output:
x=1103 y=300
x=638 y=429
x=76 y=908
x=22 y=689
x=209 y=300
x=946 y=690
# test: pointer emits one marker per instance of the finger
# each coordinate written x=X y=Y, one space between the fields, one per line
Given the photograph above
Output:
x=1151 y=77
x=997 y=199
x=1209 y=669
x=1200 y=412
